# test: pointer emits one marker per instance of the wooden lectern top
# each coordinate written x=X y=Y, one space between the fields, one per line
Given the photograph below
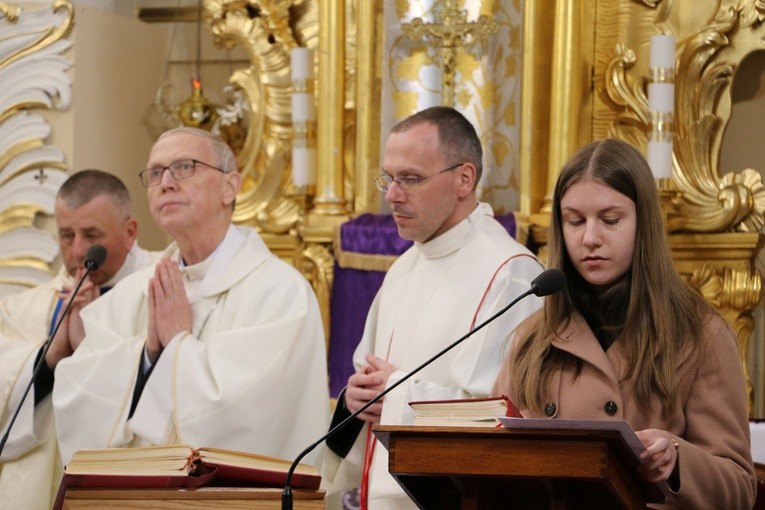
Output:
x=487 y=468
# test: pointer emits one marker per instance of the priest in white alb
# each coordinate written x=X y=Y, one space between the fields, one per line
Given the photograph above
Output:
x=91 y=207
x=219 y=344
x=462 y=269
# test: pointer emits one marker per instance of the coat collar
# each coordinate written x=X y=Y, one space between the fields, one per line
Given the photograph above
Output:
x=578 y=340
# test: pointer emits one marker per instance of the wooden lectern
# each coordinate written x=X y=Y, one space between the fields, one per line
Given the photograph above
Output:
x=212 y=498
x=448 y=468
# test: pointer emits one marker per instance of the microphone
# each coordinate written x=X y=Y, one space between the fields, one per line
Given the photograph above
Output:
x=95 y=256
x=546 y=283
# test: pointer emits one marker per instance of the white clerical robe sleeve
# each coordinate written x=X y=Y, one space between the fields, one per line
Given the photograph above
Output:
x=33 y=422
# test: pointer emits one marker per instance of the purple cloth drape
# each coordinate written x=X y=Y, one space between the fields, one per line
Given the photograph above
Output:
x=354 y=290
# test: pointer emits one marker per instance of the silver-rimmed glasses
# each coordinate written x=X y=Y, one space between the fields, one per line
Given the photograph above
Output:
x=406 y=182
x=182 y=169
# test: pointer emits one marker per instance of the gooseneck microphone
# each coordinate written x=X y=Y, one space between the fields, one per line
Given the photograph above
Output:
x=94 y=258
x=546 y=283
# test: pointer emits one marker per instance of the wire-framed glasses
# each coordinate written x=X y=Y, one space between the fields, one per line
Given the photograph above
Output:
x=182 y=169
x=407 y=182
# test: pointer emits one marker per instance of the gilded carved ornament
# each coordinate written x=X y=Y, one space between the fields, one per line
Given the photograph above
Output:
x=267 y=30
x=727 y=288
x=700 y=200
x=316 y=263
x=734 y=293
x=10 y=12
x=32 y=77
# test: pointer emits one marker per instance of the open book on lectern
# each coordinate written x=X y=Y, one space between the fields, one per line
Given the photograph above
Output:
x=619 y=426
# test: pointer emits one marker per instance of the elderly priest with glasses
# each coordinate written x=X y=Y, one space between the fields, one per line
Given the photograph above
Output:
x=218 y=344
x=462 y=269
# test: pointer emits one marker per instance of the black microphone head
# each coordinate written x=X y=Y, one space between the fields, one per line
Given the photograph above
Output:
x=95 y=257
x=548 y=282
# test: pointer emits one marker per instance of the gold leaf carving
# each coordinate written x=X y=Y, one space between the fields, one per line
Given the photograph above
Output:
x=727 y=288
x=649 y=3
x=11 y=12
x=316 y=264
x=267 y=30
x=19 y=216
x=710 y=203
x=704 y=200
x=752 y=13
x=628 y=96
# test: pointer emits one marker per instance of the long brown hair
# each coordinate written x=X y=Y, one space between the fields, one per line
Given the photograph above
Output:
x=663 y=313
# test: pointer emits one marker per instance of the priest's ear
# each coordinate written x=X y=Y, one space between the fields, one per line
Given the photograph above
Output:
x=468 y=179
x=232 y=181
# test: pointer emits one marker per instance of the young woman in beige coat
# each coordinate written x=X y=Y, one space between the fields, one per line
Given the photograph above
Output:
x=629 y=339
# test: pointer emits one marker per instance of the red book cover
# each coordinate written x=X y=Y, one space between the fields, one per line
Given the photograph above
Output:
x=106 y=481
x=177 y=466
x=236 y=475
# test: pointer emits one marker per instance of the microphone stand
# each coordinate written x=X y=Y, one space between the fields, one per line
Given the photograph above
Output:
x=287 y=493
x=90 y=266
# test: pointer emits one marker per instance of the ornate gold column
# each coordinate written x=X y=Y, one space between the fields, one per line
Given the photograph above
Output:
x=536 y=90
x=329 y=200
x=368 y=92
x=570 y=77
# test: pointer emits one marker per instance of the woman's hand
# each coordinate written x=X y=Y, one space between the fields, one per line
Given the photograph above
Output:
x=660 y=457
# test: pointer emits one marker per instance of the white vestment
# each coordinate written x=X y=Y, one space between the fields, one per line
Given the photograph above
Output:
x=251 y=375
x=433 y=294
x=30 y=468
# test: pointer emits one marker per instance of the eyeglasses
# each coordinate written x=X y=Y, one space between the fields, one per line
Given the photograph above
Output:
x=407 y=182
x=182 y=169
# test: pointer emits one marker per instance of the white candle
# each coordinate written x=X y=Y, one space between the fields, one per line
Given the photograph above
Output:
x=302 y=107
x=662 y=53
x=660 y=158
x=301 y=64
x=303 y=166
x=661 y=97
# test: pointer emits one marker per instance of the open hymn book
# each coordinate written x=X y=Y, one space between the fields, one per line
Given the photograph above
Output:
x=180 y=466
x=474 y=412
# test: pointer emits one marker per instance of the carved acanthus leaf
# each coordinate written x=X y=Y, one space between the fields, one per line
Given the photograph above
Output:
x=629 y=98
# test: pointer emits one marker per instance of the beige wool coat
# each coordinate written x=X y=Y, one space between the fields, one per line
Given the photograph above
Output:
x=710 y=420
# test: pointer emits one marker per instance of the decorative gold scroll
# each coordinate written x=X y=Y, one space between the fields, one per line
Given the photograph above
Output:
x=703 y=200
x=267 y=29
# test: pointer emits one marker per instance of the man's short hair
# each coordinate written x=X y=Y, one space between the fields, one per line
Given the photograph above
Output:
x=221 y=151
x=85 y=185
x=458 y=140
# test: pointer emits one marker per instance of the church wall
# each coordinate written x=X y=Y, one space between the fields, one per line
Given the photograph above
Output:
x=118 y=62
